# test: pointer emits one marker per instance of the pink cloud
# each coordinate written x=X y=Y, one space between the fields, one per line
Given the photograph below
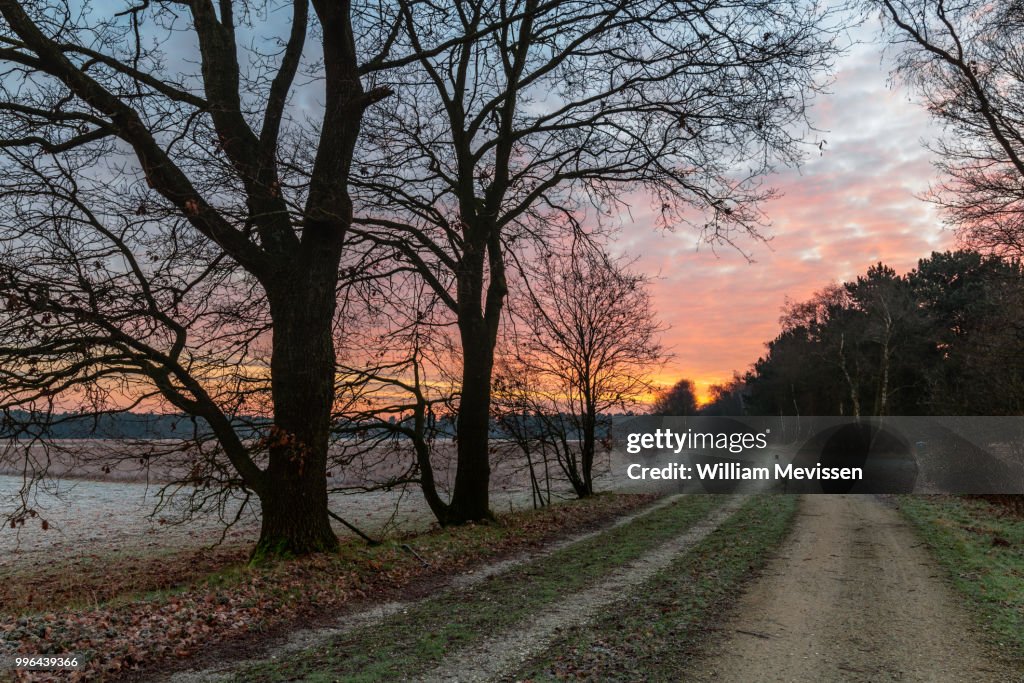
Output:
x=844 y=210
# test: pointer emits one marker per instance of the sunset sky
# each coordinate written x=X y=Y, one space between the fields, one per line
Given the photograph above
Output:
x=851 y=206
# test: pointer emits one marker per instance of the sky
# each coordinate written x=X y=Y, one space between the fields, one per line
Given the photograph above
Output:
x=850 y=206
x=846 y=208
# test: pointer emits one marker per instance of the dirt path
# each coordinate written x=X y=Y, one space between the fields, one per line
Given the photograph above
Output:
x=301 y=639
x=499 y=656
x=854 y=597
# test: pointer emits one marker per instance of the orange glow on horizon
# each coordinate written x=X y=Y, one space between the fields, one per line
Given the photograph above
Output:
x=701 y=384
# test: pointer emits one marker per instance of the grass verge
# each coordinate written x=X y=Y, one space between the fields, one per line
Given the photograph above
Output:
x=981 y=547
x=421 y=637
x=658 y=630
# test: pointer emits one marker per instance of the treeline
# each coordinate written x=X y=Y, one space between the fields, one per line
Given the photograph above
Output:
x=947 y=338
x=21 y=424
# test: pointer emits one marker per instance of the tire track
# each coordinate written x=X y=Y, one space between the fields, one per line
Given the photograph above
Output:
x=499 y=656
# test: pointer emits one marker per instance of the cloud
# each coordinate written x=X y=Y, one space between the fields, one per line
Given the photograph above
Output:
x=850 y=206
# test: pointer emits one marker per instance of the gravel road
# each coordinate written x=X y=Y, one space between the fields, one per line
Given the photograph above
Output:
x=852 y=596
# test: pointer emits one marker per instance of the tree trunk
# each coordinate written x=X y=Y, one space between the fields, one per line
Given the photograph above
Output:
x=567 y=459
x=427 y=484
x=295 y=519
x=471 y=497
x=479 y=312
x=587 y=454
x=294 y=504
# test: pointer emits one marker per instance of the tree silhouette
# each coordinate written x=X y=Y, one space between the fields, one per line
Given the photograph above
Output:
x=171 y=231
x=586 y=344
x=678 y=400
x=525 y=134
x=944 y=339
x=967 y=61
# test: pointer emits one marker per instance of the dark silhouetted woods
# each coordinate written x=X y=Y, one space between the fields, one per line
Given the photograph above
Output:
x=945 y=339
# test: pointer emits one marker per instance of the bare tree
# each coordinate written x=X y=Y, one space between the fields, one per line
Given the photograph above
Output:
x=171 y=227
x=966 y=59
x=525 y=418
x=396 y=428
x=588 y=342
x=502 y=137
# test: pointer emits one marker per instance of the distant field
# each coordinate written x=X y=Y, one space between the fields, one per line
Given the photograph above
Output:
x=102 y=514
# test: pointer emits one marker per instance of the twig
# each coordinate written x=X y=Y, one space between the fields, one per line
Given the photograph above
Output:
x=368 y=539
x=406 y=546
x=754 y=633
